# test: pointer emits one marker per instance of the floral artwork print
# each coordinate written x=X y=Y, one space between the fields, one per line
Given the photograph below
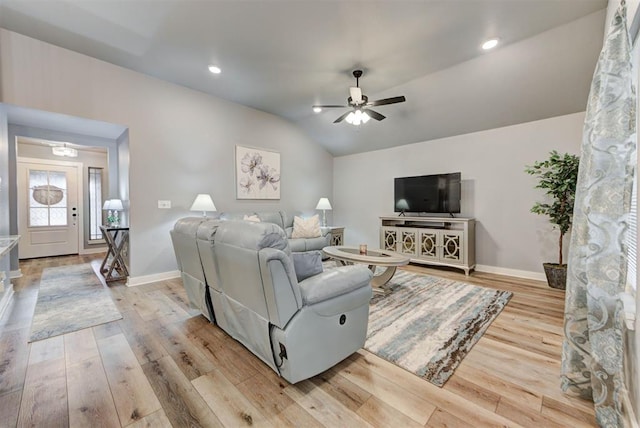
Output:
x=257 y=173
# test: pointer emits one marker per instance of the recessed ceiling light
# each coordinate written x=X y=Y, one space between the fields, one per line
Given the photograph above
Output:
x=490 y=44
x=317 y=109
x=215 y=69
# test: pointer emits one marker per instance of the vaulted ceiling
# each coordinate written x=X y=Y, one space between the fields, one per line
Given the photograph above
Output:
x=284 y=56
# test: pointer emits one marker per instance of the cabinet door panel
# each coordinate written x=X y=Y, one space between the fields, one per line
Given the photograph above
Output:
x=452 y=246
x=408 y=241
x=389 y=238
x=428 y=244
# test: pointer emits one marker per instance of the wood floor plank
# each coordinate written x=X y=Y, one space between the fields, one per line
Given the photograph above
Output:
x=80 y=346
x=365 y=365
x=295 y=416
x=181 y=402
x=346 y=392
x=388 y=391
x=90 y=403
x=532 y=418
x=526 y=397
x=324 y=408
x=106 y=330
x=44 y=399
x=575 y=410
x=133 y=396
x=14 y=356
x=215 y=347
x=9 y=408
x=380 y=414
x=474 y=392
x=265 y=395
x=154 y=420
x=184 y=352
x=442 y=419
x=231 y=406
x=143 y=341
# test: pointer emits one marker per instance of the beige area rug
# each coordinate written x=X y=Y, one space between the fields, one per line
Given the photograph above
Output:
x=70 y=298
x=427 y=325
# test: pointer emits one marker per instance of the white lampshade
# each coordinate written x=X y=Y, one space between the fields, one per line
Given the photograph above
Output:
x=115 y=204
x=203 y=203
x=402 y=204
x=107 y=205
x=323 y=204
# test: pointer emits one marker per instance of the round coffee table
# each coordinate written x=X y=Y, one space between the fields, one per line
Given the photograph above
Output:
x=373 y=258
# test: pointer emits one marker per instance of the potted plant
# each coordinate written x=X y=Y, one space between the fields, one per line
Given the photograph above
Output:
x=557 y=175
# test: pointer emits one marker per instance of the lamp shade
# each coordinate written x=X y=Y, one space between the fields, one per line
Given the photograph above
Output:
x=116 y=204
x=107 y=205
x=402 y=204
x=323 y=204
x=203 y=203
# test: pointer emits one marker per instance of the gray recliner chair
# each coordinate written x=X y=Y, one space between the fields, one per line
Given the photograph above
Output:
x=299 y=329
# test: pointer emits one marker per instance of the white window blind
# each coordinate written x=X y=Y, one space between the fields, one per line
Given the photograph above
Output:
x=632 y=241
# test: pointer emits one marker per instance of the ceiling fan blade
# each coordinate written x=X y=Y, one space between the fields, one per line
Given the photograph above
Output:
x=386 y=101
x=330 y=106
x=373 y=114
x=356 y=95
x=341 y=118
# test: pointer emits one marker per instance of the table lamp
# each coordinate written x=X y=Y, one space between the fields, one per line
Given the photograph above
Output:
x=115 y=205
x=203 y=203
x=324 y=205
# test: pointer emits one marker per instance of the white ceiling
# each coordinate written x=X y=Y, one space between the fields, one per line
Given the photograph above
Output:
x=283 y=56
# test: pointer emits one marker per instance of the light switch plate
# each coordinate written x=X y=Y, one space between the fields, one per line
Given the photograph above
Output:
x=164 y=204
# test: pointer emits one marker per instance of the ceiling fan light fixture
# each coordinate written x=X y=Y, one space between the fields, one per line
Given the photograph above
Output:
x=317 y=109
x=490 y=44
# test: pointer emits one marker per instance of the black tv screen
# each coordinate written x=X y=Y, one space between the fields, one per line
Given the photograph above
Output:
x=438 y=193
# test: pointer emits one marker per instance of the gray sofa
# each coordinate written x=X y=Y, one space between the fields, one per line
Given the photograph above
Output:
x=241 y=275
x=285 y=221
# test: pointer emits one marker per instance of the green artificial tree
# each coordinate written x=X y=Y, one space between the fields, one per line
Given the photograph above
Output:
x=558 y=175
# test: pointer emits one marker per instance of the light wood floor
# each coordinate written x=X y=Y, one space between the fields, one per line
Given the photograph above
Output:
x=163 y=365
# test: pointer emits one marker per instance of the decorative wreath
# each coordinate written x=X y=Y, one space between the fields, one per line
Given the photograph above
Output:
x=47 y=194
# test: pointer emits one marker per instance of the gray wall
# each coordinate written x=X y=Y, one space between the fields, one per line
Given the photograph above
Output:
x=495 y=189
x=181 y=142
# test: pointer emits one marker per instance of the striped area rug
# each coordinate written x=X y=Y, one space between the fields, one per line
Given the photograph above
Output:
x=427 y=325
x=70 y=298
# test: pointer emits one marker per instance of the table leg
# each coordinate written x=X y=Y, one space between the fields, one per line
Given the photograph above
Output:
x=378 y=282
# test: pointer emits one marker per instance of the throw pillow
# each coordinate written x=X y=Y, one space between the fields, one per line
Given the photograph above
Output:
x=306 y=227
x=253 y=218
x=307 y=264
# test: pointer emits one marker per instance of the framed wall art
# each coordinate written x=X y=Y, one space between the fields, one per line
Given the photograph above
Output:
x=257 y=173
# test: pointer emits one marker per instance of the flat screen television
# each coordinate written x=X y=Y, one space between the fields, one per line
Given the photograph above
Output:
x=439 y=193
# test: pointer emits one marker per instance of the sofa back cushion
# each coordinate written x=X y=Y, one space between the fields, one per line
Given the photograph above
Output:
x=238 y=245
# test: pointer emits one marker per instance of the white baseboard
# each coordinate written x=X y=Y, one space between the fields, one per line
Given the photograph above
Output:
x=133 y=281
x=15 y=274
x=85 y=251
x=539 y=276
x=6 y=299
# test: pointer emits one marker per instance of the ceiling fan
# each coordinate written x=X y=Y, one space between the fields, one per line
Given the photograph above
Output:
x=359 y=104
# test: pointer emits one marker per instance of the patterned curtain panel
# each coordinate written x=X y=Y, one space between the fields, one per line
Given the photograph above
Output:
x=592 y=358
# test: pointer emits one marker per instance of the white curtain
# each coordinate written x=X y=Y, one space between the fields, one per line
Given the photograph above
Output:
x=592 y=360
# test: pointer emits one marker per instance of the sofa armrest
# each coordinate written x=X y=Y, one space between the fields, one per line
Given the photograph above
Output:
x=334 y=282
x=325 y=231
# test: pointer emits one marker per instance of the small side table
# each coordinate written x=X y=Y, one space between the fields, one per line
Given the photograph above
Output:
x=114 y=265
x=337 y=235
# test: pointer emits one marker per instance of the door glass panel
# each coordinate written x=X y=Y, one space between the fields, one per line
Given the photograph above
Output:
x=47 y=198
x=38 y=217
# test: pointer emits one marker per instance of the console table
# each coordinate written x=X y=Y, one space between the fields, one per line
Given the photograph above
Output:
x=337 y=234
x=114 y=265
x=440 y=241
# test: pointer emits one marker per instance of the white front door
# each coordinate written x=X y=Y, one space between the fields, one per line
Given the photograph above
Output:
x=48 y=212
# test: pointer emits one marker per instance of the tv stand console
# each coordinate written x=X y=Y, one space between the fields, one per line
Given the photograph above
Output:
x=441 y=241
